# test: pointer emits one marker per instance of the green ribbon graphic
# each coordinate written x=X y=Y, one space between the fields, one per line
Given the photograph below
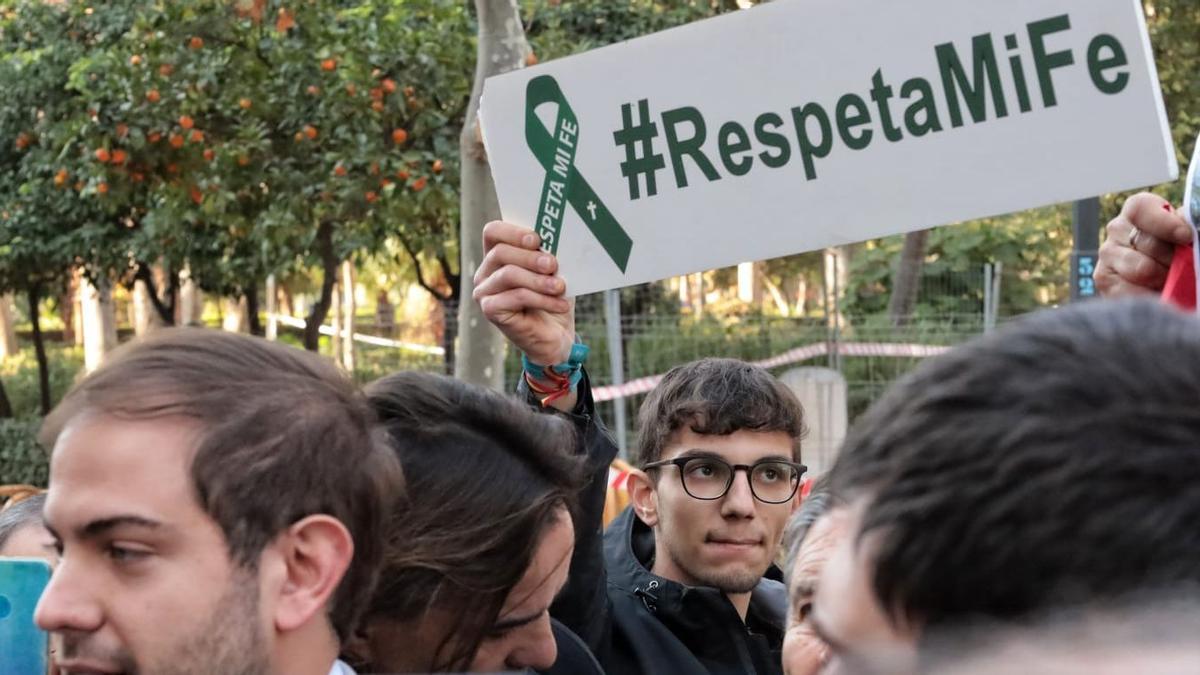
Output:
x=555 y=151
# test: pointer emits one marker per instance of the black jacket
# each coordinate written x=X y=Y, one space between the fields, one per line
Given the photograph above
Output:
x=638 y=623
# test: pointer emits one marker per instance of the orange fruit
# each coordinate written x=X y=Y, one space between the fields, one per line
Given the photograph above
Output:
x=384 y=182
x=419 y=184
x=154 y=137
x=60 y=178
x=377 y=106
x=371 y=196
x=197 y=195
x=339 y=170
x=22 y=141
x=299 y=137
x=245 y=103
x=102 y=188
x=402 y=174
x=176 y=141
x=153 y=96
x=437 y=166
x=103 y=155
x=209 y=155
x=197 y=136
x=135 y=60
x=186 y=122
x=243 y=160
x=310 y=132
x=196 y=43
x=389 y=86
x=329 y=65
x=138 y=176
x=166 y=69
x=377 y=94
x=399 y=136
x=119 y=157
x=172 y=168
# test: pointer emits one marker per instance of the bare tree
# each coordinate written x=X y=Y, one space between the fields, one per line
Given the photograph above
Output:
x=501 y=47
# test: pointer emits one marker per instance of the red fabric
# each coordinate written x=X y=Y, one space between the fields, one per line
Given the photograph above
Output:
x=1180 y=288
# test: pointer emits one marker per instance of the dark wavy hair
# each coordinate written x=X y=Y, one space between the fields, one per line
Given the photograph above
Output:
x=486 y=476
x=1051 y=464
x=715 y=396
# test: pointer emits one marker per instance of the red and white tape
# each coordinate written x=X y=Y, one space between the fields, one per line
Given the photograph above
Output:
x=643 y=385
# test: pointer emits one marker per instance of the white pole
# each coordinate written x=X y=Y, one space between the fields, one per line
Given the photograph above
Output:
x=616 y=360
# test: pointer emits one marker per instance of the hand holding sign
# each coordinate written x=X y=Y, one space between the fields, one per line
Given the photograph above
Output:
x=1139 y=247
x=519 y=291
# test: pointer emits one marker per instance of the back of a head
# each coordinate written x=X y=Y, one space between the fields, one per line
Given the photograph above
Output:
x=716 y=396
x=283 y=434
x=486 y=475
x=15 y=515
x=1051 y=463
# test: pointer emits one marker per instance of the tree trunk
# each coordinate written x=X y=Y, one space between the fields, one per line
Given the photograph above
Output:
x=39 y=347
x=233 y=315
x=449 y=332
x=906 y=283
x=77 y=305
x=253 y=322
x=6 y=411
x=329 y=271
x=66 y=310
x=8 y=329
x=271 y=331
x=145 y=317
x=501 y=47
x=191 y=300
x=349 y=310
x=99 y=324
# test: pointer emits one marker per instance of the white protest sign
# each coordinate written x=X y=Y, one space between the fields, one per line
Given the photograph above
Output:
x=802 y=124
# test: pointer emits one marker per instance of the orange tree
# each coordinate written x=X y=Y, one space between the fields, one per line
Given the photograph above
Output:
x=54 y=215
x=257 y=137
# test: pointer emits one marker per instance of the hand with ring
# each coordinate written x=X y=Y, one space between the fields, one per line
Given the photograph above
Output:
x=1138 y=247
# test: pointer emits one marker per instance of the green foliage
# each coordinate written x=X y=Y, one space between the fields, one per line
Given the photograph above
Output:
x=1032 y=246
x=22 y=460
x=19 y=374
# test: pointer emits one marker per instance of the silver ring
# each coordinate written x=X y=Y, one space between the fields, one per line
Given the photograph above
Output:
x=1133 y=237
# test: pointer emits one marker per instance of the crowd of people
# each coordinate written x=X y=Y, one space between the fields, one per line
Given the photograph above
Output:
x=1025 y=503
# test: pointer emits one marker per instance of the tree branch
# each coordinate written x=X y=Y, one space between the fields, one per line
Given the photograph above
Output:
x=412 y=254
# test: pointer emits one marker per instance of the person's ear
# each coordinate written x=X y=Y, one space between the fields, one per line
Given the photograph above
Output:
x=315 y=553
x=643 y=494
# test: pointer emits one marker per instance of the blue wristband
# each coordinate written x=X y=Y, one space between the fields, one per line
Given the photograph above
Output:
x=572 y=368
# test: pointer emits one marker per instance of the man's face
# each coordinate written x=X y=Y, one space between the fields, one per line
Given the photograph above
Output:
x=845 y=614
x=145 y=584
x=725 y=543
x=803 y=652
x=521 y=637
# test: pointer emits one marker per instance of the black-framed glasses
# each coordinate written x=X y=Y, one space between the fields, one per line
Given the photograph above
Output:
x=772 y=481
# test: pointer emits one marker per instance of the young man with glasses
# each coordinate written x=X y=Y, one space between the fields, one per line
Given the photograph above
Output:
x=685 y=581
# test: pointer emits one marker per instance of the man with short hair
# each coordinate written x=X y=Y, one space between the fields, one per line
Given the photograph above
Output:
x=219 y=502
x=1051 y=466
x=685 y=582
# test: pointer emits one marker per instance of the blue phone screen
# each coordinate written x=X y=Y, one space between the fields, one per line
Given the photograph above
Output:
x=23 y=647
